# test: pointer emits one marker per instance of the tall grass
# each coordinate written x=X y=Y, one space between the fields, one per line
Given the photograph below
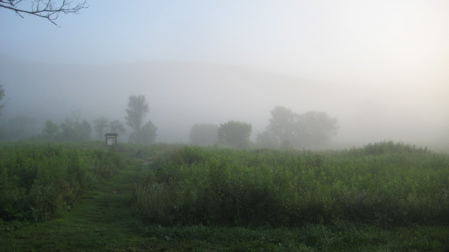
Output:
x=39 y=181
x=385 y=184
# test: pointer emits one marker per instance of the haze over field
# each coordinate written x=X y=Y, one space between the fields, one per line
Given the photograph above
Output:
x=379 y=67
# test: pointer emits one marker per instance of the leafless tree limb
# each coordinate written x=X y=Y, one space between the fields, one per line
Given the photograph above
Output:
x=48 y=9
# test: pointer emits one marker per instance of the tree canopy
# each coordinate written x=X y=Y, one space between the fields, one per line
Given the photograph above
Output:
x=75 y=130
x=51 y=130
x=234 y=134
x=137 y=110
x=203 y=134
x=147 y=134
x=117 y=127
x=20 y=127
x=69 y=130
x=291 y=130
x=2 y=94
x=47 y=9
x=100 y=126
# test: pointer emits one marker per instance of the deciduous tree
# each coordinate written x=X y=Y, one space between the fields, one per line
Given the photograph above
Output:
x=75 y=130
x=291 y=130
x=2 y=94
x=100 y=126
x=203 y=134
x=235 y=134
x=21 y=127
x=136 y=112
x=51 y=130
x=147 y=134
x=117 y=127
x=317 y=129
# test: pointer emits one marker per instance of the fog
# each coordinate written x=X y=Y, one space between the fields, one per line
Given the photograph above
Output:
x=380 y=68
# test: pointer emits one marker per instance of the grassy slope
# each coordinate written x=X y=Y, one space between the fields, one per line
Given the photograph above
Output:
x=104 y=221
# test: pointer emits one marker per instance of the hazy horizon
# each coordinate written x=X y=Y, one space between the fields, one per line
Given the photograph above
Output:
x=380 y=68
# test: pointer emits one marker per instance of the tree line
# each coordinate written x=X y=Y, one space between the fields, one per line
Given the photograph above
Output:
x=80 y=130
x=74 y=128
x=286 y=129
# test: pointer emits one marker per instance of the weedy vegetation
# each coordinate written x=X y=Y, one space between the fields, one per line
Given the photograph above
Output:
x=41 y=181
x=69 y=197
x=386 y=184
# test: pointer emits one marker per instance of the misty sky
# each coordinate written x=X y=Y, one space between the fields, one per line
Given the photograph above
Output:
x=397 y=48
x=344 y=39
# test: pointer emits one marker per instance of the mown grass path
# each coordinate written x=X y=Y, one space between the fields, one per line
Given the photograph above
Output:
x=102 y=220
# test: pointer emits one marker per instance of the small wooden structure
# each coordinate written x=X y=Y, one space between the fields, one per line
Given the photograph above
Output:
x=111 y=138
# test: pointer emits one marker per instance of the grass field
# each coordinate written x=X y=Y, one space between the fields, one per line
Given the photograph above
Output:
x=385 y=184
x=172 y=198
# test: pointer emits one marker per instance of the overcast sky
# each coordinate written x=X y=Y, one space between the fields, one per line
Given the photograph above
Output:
x=399 y=47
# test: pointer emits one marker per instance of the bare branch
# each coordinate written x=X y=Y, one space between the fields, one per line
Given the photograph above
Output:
x=47 y=9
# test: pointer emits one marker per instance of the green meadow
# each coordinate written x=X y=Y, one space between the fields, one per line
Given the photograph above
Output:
x=85 y=197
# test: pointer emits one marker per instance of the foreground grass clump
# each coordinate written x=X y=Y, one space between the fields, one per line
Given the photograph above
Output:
x=384 y=184
x=39 y=181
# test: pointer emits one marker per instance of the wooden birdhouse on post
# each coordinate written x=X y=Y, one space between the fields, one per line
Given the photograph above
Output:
x=111 y=139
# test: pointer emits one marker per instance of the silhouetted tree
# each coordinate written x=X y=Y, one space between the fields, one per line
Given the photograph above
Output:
x=136 y=112
x=290 y=130
x=147 y=134
x=51 y=130
x=317 y=129
x=21 y=127
x=100 y=126
x=17 y=128
x=48 y=9
x=267 y=139
x=282 y=126
x=2 y=94
x=85 y=130
x=234 y=134
x=203 y=134
x=117 y=127
x=74 y=130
